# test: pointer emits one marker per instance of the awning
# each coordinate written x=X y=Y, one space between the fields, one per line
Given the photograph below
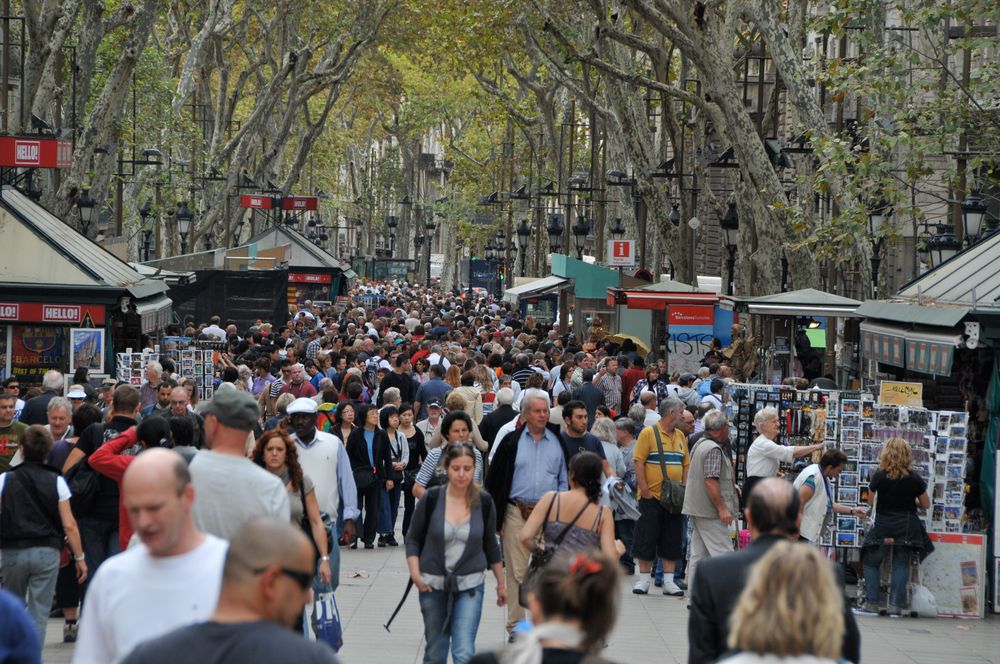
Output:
x=805 y=302
x=154 y=312
x=917 y=350
x=910 y=312
x=536 y=287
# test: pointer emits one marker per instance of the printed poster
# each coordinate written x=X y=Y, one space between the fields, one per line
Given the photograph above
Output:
x=86 y=349
x=35 y=349
x=690 y=328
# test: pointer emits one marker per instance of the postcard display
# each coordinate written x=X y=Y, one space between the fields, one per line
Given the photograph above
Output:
x=858 y=425
x=194 y=360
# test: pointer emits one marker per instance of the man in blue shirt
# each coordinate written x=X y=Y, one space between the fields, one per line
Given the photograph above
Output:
x=529 y=462
x=434 y=389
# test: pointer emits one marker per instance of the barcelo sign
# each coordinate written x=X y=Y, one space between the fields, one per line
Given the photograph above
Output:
x=621 y=253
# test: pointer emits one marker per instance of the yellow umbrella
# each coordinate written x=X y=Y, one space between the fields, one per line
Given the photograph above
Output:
x=640 y=346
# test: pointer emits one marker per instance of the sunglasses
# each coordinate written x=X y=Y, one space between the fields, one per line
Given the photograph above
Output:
x=304 y=579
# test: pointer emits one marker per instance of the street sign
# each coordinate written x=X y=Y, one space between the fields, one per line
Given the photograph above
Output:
x=35 y=152
x=621 y=253
x=299 y=203
x=256 y=202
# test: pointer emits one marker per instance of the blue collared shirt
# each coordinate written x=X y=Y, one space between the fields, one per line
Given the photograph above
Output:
x=538 y=467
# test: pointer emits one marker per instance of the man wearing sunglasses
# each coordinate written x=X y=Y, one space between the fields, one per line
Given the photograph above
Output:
x=171 y=579
x=266 y=581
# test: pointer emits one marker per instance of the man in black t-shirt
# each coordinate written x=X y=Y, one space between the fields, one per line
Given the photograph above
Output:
x=266 y=583
x=99 y=526
x=399 y=378
x=576 y=436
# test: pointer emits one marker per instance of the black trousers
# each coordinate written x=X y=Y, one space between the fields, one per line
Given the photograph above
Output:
x=409 y=503
x=368 y=504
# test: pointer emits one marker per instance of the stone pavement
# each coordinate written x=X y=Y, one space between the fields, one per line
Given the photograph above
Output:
x=650 y=629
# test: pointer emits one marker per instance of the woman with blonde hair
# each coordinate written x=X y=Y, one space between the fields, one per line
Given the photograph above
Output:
x=894 y=492
x=453 y=376
x=789 y=611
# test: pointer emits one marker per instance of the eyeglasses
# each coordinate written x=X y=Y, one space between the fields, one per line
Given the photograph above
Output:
x=14 y=387
x=304 y=579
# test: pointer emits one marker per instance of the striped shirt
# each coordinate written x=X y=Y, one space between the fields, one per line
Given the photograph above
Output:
x=675 y=451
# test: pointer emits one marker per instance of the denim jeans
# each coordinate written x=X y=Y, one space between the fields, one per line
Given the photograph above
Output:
x=31 y=574
x=388 y=509
x=467 y=607
x=100 y=542
x=899 y=575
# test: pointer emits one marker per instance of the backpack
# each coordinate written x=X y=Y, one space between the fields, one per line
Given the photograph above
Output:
x=84 y=483
x=370 y=377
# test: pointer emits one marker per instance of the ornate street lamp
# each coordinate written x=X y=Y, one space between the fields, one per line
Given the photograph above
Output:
x=675 y=215
x=617 y=229
x=523 y=239
x=730 y=224
x=147 y=230
x=554 y=228
x=184 y=216
x=973 y=214
x=580 y=230
x=943 y=245
x=85 y=204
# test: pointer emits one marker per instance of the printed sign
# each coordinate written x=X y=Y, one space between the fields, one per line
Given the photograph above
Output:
x=896 y=393
x=65 y=314
x=621 y=253
x=299 y=203
x=256 y=202
x=689 y=335
x=35 y=349
x=300 y=278
x=35 y=152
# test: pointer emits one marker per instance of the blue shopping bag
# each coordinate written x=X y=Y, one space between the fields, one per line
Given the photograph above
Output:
x=326 y=621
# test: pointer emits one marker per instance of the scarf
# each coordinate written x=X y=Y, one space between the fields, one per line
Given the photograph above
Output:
x=528 y=648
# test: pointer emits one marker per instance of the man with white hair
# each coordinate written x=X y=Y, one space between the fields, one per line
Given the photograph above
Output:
x=35 y=410
x=150 y=389
x=528 y=462
x=501 y=415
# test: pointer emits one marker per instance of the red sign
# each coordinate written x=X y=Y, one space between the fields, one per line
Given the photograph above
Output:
x=35 y=152
x=690 y=314
x=621 y=253
x=256 y=202
x=299 y=203
x=64 y=314
x=299 y=278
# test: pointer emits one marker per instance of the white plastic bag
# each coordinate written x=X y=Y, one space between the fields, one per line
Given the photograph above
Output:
x=922 y=601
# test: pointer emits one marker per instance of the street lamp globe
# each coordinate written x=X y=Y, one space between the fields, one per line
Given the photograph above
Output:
x=617 y=229
x=85 y=204
x=418 y=241
x=184 y=217
x=523 y=234
x=730 y=224
x=943 y=245
x=392 y=223
x=973 y=213
x=580 y=230
x=675 y=215
x=554 y=227
x=878 y=213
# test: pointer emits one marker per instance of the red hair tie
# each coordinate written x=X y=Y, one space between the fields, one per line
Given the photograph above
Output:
x=583 y=566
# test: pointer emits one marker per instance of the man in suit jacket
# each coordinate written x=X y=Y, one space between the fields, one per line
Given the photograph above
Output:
x=773 y=513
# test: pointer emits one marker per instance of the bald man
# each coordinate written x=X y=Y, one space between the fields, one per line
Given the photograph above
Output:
x=265 y=585
x=172 y=578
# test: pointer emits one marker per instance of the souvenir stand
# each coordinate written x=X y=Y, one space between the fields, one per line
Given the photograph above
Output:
x=194 y=359
x=858 y=425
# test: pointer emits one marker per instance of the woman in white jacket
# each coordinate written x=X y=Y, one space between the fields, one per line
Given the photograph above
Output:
x=818 y=506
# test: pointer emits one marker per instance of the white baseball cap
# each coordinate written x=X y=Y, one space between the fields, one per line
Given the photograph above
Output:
x=302 y=405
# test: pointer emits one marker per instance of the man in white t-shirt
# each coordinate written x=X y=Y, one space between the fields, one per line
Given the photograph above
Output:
x=169 y=580
x=232 y=489
x=323 y=458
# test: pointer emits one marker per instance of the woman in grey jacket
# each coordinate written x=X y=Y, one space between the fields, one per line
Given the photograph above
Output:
x=450 y=545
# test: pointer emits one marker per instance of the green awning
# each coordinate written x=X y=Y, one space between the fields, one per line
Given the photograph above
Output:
x=922 y=351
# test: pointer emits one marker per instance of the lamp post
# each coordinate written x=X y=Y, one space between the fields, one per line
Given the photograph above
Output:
x=523 y=238
x=943 y=245
x=554 y=227
x=878 y=213
x=147 y=230
x=430 y=226
x=392 y=223
x=730 y=224
x=85 y=204
x=973 y=214
x=621 y=179
x=184 y=215
x=580 y=230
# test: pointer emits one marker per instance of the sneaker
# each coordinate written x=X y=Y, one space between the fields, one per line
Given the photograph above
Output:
x=681 y=583
x=354 y=544
x=369 y=544
x=381 y=541
x=865 y=609
x=671 y=589
x=895 y=613
x=69 y=632
x=390 y=540
x=641 y=586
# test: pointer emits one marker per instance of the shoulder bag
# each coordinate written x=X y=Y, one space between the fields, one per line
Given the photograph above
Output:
x=543 y=553
x=672 y=492
x=84 y=483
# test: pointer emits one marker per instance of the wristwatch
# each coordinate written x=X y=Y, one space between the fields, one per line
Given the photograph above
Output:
x=325 y=558
x=79 y=558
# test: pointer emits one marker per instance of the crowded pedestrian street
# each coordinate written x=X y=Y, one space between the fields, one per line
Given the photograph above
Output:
x=531 y=332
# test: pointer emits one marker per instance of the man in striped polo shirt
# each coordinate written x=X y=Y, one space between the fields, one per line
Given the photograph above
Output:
x=658 y=533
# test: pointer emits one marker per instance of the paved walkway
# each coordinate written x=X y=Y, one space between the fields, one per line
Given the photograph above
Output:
x=650 y=629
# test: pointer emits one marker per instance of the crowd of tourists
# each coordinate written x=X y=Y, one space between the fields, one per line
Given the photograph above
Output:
x=554 y=464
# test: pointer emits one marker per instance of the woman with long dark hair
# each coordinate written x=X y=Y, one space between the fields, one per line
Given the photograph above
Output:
x=417 y=454
x=368 y=450
x=587 y=524
x=399 y=457
x=449 y=548
x=346 y=416
x=276 y=453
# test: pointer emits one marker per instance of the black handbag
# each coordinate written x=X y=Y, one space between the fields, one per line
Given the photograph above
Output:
x=542 y=555
x=306 y=526
x=364 y=478
x=84 y=483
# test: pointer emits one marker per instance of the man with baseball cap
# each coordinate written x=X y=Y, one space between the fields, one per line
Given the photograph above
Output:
x=429 y=426
x=231 y=489
x=323 y=458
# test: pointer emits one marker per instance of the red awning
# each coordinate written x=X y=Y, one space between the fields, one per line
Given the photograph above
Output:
x=657 y=301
